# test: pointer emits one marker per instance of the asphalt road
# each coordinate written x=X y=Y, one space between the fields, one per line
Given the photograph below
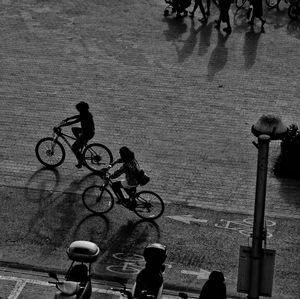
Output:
x=183 y=97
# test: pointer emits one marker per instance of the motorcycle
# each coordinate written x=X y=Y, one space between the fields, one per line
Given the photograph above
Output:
x=149 y=281
x=77 y=283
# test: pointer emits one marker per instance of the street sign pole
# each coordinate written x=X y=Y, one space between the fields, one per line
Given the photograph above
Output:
x=259 y=210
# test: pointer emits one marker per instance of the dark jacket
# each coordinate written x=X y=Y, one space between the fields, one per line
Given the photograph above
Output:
x=214 y=287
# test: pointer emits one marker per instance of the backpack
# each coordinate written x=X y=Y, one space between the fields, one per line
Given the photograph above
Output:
x=142 y=178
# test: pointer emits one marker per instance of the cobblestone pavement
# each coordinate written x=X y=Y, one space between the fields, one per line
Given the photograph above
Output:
x=183 y=96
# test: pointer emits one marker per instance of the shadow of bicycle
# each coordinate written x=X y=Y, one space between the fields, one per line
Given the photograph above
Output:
x=124 y=251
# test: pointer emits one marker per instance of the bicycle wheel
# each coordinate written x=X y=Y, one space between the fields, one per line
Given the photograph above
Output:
x=293 y=11
x=50 y=152
x=272 y=3
x=148 y=205
x=98 y=199
x=97 y=156
x=240 y=3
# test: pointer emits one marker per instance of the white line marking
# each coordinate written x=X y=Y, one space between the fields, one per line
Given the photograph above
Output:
x=17 y=289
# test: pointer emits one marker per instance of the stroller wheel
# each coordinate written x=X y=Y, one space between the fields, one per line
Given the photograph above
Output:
x=166 y=12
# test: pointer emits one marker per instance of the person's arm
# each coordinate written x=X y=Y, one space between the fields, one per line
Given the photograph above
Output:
x=118 y=172
x=116 y=162
x=71 y=120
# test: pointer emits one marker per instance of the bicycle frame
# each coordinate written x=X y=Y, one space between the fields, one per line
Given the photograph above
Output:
x=109 y=182
x=59 y=133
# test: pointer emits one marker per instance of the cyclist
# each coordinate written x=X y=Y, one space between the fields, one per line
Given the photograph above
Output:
x=149 y=281
x=83 y=134
x=131 y=170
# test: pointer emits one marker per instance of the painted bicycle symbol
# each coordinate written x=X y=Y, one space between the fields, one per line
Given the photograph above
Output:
x=131 y=264
x=244 y=227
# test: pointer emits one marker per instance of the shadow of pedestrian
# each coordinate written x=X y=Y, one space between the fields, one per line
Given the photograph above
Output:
x=290 y=192
x=176 y=28
x=189 y=43
x=250 y=47
x=205 y=35
x=218 y=57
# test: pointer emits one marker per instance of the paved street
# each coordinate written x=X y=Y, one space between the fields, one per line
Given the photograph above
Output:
x=183 y=96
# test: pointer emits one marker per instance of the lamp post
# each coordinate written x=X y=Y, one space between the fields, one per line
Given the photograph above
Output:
x=268 y=127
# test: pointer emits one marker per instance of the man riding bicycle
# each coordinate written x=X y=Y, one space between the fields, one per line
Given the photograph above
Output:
x=83 y=134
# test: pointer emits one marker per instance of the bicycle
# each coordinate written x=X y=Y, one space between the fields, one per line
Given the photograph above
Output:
x=51 y=153
x=240 y=3
x=101 y=199
x=275 y=3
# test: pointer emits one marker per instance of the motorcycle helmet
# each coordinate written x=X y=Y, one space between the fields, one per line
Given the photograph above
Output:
x=155 y=253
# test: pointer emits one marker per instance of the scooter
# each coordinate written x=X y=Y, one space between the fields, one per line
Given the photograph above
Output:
x=143 y=288
x=77 y=283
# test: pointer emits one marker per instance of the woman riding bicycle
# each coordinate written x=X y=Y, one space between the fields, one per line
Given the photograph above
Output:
x=131 y=170
x=83 y=134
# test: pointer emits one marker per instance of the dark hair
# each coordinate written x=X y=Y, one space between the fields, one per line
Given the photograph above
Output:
x=217 y=276
x=126 y=154
x=82 y=106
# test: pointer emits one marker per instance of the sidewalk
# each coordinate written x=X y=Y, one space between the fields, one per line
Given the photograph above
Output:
x=17 y=284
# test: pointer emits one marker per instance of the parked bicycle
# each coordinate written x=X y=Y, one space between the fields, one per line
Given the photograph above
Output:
x=294 y=9
x=100 y=199
x=51 y=153
x=240 y=3
x=270 y=3
x=275 y=3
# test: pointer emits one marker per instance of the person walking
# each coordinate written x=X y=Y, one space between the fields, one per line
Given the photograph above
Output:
x=257 y=12
x=198 y=3
x=224 y=6
x=214 y=287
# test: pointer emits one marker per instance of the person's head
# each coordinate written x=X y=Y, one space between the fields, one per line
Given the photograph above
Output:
x=82 y=106
x=155 y=255
x=126 y=154
x=217 y=276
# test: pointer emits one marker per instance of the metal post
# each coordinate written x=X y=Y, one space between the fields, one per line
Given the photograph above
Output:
x=259 y=210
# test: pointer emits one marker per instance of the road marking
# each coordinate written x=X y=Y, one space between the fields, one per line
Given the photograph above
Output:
x=203 y=274
x=21 y=282
x=17 y=290
x=187 y=219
